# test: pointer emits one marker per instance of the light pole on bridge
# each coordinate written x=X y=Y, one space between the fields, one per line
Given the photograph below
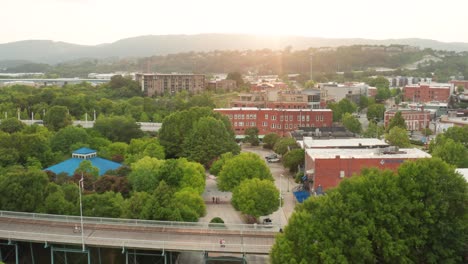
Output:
x=81 y=183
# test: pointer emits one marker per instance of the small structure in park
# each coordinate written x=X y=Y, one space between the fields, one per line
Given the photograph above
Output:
x=70 y=165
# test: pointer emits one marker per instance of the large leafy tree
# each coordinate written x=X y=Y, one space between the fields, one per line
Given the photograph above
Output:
x=376 y=112
x=23 y=190
x=397 y=121
x=293 y=159
x=451 y=152
x=144 y=176
x=68 y=138
x=251 y=136
x=417 y=216
x=208 y=139
x=283 y=145
x=178 y=126
x=243 y=166
x=108 y=204
x=118 y=128
x=256 y=197
x=217 y=166
x=342 y=107
x=269 y=140
x=11 y=125
x=398 y=137
x=57 y=117
x=351 y=123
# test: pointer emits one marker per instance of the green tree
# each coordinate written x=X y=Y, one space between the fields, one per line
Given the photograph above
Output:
x=374 y=130
x=342 y=107
x=256 y=197
x=57 y=117
x=460 y=89
x=55 y=202
x=398 y=137
x=162 y=206
x=86 y=167
x=270 y=140
x=23 y=190
x=134 y=206
x=383 y=94
x=118 y=128
x=397 y=121
x=144 y=176
x=283 y=145
x=190 y=204
x=193 y=176
x=293 y=159
x=217 y=166
x=351 y=123
x=68 y=137
x=451 y=152
x=243 y=166
x=11 y=125
x=236 y=76
x=363 y=102
x=309 y=84
x=178 y=126
x=208 y=139
x=417 y=216
x=379 y=82
x=376 y=112
x=251 y=136
x=108 y=204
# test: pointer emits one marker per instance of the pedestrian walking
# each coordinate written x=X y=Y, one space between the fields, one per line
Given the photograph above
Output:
x=213 y=199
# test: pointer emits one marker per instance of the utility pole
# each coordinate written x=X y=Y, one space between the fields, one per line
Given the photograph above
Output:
x=81 y=183
x=311 y=75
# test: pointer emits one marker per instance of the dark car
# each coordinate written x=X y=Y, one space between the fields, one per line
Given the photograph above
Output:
x=271 y=156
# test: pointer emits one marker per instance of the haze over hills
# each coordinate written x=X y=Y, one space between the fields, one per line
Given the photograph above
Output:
x=46 y=51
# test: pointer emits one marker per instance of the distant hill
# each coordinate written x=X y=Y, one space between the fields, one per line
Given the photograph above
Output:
x=46 y=51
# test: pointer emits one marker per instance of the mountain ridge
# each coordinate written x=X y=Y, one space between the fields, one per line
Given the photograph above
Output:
x=48 y=51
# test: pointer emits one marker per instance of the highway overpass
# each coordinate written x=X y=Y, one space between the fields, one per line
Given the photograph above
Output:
x=132 y=234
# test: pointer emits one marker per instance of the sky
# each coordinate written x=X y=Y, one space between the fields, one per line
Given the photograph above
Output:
x=91 y=22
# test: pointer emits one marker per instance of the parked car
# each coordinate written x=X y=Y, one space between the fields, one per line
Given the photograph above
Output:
x=271 y=156
x=275 y=160
x=267 y=222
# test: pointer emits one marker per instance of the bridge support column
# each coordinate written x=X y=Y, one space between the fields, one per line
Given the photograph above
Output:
x=136 y=254
x=65 y=250
x=10 y=243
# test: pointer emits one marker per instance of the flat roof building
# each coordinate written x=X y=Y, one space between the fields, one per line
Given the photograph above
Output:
x=160 y=84
x=327 y=167
x=348 y=143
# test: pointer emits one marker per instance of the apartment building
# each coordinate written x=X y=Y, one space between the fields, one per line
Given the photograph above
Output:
x=160 y=84
x=427 y=92
x=415 y=120
x=280 y=121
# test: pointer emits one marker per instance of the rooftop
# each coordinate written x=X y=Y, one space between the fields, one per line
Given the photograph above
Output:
x=463 y=172
x=309 y=142
x=406 y=153
x=270 y=109
x=69 y=166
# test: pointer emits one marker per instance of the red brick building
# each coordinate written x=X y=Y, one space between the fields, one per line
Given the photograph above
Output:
x=328 y=167
x=460 y=83
x=414 y=119
x=280 y=121
x=423 y=93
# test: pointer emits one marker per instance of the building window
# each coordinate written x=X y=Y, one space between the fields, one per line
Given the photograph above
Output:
x=235 y=116
x=281 y=118
x=286 y=118
x=298 y=118
x=241 y=123
x=279 y=126
x=273 y=126
x=252 y=124
x=273 y=117
x=307 y=118
x=235 y=124
x=266 y=116
x=264 y=124
x=317 y=118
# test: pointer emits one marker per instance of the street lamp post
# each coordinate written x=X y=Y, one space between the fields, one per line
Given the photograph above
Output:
x=279 y=210
x=81 y=212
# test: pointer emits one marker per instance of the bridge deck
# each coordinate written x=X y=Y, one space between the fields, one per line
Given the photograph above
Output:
x=155 y=235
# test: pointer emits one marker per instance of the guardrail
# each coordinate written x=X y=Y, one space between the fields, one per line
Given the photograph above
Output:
x=243 y=228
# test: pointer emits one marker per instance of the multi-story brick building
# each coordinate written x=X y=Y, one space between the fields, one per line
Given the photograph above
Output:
x=284 y=99
x=326 y=168
x=160 y=84
x=457 y=83
x=427 y=92
x=222 y=85
x=414 y=119
x=280 y=121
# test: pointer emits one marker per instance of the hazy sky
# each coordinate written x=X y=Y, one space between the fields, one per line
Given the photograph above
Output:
x=103 y=21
